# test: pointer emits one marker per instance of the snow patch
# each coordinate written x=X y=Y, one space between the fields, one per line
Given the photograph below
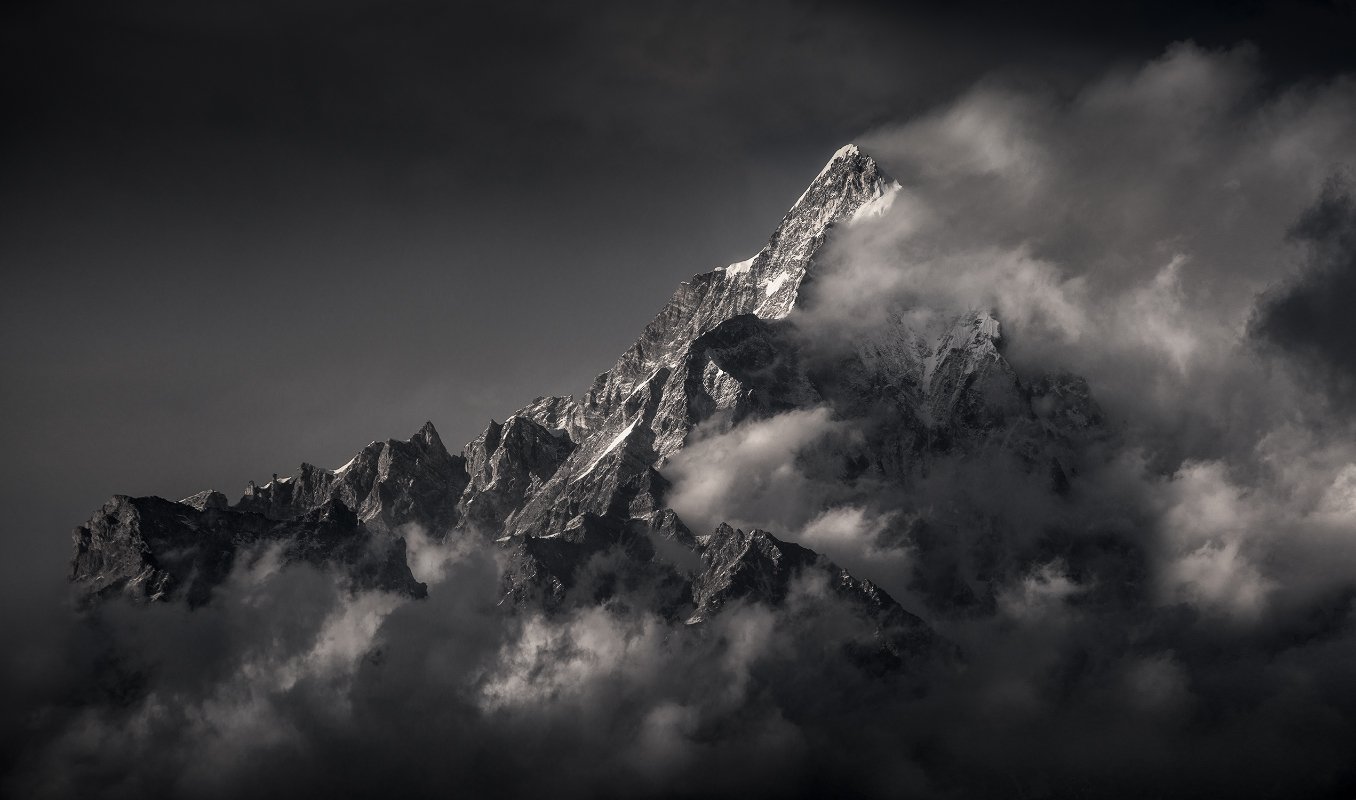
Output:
x=848 y=150
x=741 y=267
x=774 y=285
x=344 y=468
x=615 y=443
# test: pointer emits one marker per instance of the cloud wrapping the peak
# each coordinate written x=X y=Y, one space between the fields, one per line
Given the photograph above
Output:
x=1178 y=233
x=1122 y=232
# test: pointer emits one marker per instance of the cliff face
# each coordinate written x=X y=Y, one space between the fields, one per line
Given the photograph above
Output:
x=387 y=484
x=152 y=549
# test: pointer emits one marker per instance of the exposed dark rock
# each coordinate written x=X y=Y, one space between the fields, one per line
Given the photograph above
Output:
x=206 y=499
x=508 y=464
x=387 y=484
x=757 y=566
x=154 y=549
x=543 y=569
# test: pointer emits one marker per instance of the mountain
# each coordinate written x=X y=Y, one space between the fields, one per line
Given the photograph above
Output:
x=564 y=483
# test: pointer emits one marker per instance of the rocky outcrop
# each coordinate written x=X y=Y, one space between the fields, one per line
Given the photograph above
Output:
x=206 y=499
x=609 y=474
x=755 y=565
x=148 y=548
x=508 y=464
x=692 y=578
x=387 y=484
x=344 y=519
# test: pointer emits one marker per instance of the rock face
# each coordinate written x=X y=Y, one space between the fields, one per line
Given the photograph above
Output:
x=508 y=464
x=154 y=549
x=757 y=566
x=387 y=484
x=575 y=490
x=643 y=410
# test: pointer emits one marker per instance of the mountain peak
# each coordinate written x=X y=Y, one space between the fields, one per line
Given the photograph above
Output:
x=852 y=159
x=428 y=434
x=848 y=150
x=851 y=176
x=850 y=186
x=852 y=156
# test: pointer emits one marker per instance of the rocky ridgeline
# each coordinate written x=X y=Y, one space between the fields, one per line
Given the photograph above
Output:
x=154 y=549
x=573 y=490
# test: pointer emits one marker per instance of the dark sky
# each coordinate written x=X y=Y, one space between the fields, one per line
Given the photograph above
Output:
x=236 y=236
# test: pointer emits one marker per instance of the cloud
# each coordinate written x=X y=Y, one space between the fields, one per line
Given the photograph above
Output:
x=852 y=534
x=1038 y=596
x=1139 y=231
x=1121 y=232
x=1212 y=525
x=749 y=475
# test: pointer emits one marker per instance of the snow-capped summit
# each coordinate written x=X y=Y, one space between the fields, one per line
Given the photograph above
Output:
x=767 y=284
